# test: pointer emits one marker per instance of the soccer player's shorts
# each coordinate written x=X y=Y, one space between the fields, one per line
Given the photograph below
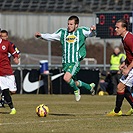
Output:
x=128 y=80
x=72 y=68
x=8 y=82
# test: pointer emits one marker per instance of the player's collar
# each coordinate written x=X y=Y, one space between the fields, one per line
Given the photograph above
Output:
x=0 y=40
x=125 y=35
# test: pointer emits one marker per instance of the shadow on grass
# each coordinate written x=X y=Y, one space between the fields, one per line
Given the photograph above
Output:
x=125 y=115
x=4 y=112
x=61 y=114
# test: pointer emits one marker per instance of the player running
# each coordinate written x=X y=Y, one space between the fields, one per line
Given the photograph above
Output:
x=72 y=40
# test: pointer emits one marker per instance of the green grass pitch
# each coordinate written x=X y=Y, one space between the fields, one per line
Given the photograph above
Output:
x=66 y=115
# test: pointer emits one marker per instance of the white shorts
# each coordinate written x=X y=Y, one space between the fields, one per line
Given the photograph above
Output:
x=8 y=82
x=128 y=80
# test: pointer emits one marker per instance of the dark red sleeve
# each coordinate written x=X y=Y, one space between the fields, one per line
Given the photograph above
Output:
x=12 y=51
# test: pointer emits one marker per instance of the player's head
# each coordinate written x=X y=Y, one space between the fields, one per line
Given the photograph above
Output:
x=121 y=27
x=4 y=34
x=73 y=22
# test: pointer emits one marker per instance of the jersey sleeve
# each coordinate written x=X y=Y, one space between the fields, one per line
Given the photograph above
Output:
x=88 y=33
x=12 y=51
x=15 y=48
x=52 y=37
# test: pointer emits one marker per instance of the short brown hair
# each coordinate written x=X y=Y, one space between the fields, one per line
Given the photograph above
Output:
x=4 y=31
x=74 y=18
x=124 y=23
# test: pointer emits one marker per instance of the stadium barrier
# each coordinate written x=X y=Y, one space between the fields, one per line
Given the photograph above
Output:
x=31 y=81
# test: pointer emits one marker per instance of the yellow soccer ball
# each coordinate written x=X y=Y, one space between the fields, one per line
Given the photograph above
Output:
x=42 y=110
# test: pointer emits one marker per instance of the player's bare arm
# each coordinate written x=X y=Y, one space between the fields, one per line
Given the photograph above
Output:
x=93 y=27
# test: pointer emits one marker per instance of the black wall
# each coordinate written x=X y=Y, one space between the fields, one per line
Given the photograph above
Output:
x=59 y=86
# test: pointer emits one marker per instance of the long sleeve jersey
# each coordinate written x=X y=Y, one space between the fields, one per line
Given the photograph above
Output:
x=73 y=43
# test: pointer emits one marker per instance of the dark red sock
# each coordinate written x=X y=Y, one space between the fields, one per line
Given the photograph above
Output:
x=119 y=100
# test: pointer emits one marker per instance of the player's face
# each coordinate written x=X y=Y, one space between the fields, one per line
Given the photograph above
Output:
x=4 y=36
x=120 y=31
x=71 y=26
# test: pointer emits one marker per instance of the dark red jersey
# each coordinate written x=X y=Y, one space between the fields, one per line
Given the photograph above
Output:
x=128 y=47
x=5 y=66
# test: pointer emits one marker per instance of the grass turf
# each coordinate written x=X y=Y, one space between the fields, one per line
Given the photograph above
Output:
x=66 y=115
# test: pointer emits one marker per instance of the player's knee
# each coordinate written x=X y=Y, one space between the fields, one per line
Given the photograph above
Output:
x=67 y=79
x=120 y=88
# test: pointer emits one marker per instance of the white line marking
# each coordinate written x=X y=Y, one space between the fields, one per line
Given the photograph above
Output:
x=46 y=121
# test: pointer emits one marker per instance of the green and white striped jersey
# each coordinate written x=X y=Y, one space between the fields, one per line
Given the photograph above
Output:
x=73 y=44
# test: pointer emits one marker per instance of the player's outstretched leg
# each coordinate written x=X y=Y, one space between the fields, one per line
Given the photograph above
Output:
x=77 y=95
x=89 y=87
x=92 y=89
x=76 y=90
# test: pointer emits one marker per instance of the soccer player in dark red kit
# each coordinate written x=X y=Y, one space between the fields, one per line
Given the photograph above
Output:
x=7 y=79
x=126 y=81
x=4 y=35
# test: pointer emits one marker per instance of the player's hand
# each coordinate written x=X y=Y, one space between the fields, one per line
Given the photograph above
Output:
x=93 y=27
x=123 y=66
x=37 y=34
x=16 y=60
x=125 y=71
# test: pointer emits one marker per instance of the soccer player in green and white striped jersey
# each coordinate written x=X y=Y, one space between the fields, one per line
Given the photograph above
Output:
x=72 y=40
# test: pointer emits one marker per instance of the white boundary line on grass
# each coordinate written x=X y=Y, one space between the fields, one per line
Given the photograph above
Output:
x=45 y=121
